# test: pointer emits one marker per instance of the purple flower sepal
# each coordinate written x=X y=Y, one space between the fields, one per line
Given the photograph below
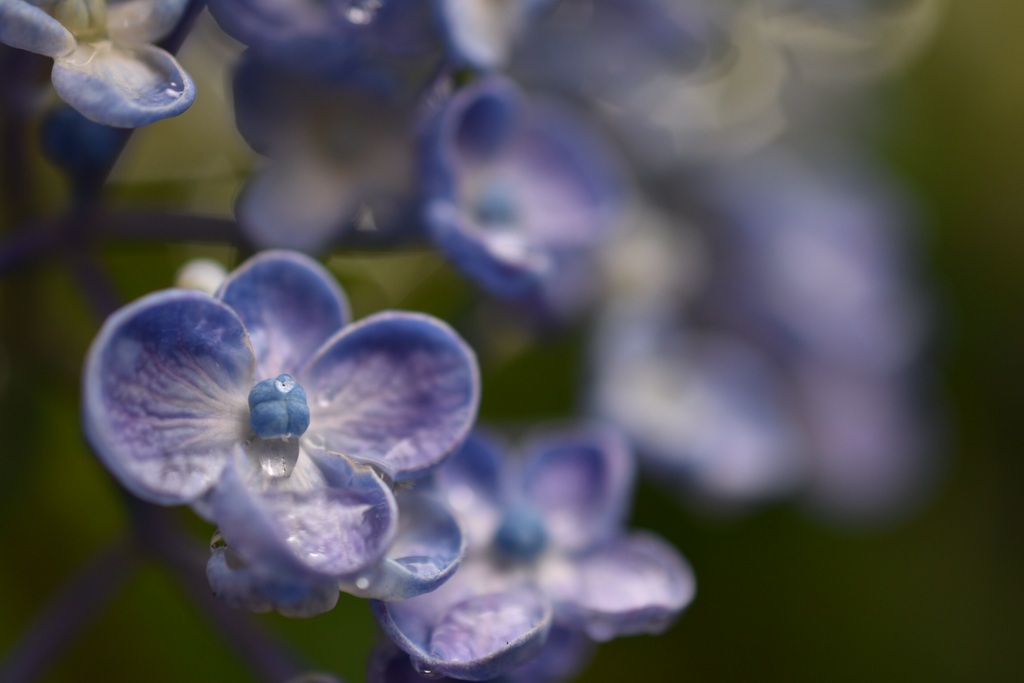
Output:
x=546 y=549
x=104 y=62
x=515 y=193
x=170 y=396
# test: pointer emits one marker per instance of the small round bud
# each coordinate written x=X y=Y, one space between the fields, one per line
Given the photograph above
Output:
x=278 y=408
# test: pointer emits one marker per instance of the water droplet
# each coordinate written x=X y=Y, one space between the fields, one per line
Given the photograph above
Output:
x=362 y=12
x=362 y=583
x=423 y=669
x=174 y=88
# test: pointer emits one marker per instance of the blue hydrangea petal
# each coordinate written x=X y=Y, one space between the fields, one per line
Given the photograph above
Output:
x=164 y=394
x=298 y=204
x=468 y=635
x=335 y=520
x=123 y=86
x=398 y=389
x=27 y=27
x=136 y=22
x=635 y=584
x=290 y=304
x=426 y=552
x=581 y=484
x=245 y=587
x=472 y=484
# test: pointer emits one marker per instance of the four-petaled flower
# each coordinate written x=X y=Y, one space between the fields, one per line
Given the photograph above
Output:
x=546 y=548
x=269 y=415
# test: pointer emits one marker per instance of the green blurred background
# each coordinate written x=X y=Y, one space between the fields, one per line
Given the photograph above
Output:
x=781 y=597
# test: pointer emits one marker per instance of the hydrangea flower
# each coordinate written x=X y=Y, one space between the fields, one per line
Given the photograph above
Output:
x=339 y=157
x=105 y=65
x=272 y=416
x=707 y=411
x=546 y=546
x=518 y=195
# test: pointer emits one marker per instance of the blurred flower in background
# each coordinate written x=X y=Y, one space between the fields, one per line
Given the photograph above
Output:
x=712 y=228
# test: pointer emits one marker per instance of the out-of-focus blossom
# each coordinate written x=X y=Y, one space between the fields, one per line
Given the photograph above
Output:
x=104 y=62
x=271 y=416
x=546 y=545
x=709 y=412
x=517 y=194
x=815 y=262
x=339 y=157
x=328 y=38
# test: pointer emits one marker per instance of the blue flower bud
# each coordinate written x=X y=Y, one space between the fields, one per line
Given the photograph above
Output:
x=278 y=408
x=522 y=535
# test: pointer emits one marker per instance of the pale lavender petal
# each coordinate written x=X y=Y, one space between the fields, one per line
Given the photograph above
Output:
x=164 y=394
x=636 y=584
x=335 y=527
x=244 y=587
x=581 y=484
x=290 y=304
x=477 y=638
x=426 y=552
x=27 y=27
x=123 y=86
x=397 y=389
x=873 y=462
x=471 y=483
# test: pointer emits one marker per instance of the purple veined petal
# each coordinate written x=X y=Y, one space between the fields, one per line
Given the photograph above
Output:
x=164 y=394
x=426 y=552
x=290 y=305
x=243 y=587
x=397 y=389
x=468 y=635
x=334 y=524
x=581 y=484
x=27 y=27
x=123 y=86
x=635 y=584
x=137 y=22
x=297 y=204
x=471 y=482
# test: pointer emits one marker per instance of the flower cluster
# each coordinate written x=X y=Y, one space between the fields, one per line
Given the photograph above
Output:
x=673 y=177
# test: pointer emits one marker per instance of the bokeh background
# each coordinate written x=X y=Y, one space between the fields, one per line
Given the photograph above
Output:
x=782 y=596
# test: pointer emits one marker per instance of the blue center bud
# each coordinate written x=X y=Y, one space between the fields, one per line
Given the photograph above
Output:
x=522 y=535
x=278 y=408
x=497 y=206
